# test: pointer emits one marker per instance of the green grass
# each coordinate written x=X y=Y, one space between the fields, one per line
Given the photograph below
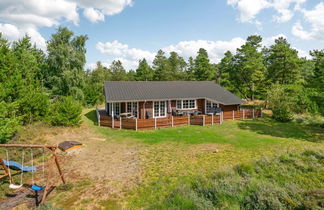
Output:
x=291 y=181
x=243 y=134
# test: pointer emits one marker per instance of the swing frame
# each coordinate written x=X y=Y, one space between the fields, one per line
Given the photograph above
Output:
x=53 y=161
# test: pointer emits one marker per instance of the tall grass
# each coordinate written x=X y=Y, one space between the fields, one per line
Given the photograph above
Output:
x=291 y=181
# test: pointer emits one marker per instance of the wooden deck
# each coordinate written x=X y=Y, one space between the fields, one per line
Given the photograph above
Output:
x=155 y=123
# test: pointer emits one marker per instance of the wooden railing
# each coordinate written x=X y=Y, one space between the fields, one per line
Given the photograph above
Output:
x=155 y=123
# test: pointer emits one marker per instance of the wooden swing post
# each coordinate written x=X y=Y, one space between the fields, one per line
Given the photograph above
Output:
x=6 y=171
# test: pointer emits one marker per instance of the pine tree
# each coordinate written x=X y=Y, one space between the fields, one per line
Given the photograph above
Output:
x=284 y=65
x=248 y=73
x=144 y=72
x=203 y=69
x=160 y=63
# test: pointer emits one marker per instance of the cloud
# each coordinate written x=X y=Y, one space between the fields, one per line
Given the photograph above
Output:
x=93 y=15
x=18 y=17
x=130 y=56
x=106 y=7
x=12 y=33
x=316 y=19
x=215 y=49
x=249 y=9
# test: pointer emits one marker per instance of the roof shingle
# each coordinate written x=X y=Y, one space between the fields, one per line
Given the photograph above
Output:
x=122 y=91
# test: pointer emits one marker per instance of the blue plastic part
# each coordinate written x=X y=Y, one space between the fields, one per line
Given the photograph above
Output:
x=37 y=188
x=17 y=167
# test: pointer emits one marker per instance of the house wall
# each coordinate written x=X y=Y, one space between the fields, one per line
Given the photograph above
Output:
x=230 y=107
x=149 y=107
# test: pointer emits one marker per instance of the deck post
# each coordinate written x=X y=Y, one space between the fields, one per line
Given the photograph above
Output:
x=204 y=120
x=112 y=116
x=155 y=123
x=221 y=118
x=136 y=124
x=98 y=116
x=171 y=121
x=213 y=119
x=243 y=114
x=120 y=123
x=253 y=113
x=261 y=115
x=233 y=115
x=188 y=119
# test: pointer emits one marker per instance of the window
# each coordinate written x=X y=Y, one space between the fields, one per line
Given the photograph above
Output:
x=159 y=109
x=116 y=108
x=210 y=105
x=179 y=104
x=132 y=108
x=186 y=104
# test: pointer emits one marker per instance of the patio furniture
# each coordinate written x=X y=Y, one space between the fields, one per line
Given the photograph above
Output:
x=148 y=115
x=176 y=112
x=197 y=113
x=127 y=115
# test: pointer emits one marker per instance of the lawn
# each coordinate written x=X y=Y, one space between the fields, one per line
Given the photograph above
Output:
x=136 y=169
x=175 y=156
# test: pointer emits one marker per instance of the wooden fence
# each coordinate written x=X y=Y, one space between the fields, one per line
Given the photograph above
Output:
x=155 y=123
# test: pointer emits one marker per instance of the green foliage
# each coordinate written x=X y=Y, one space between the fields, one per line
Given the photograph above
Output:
x=144 y=72
x=66 y=112
x=291 y=181
x=280 y=104
x=9 y=122
x=64 y=74
x=317 y=80
x=286 y=100
x=248 y=69
x=160 y=63
x=284 y=65
x=118 y=73
x=203 y=70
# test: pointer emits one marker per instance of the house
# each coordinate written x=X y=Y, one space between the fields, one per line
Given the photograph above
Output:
x=158 y=99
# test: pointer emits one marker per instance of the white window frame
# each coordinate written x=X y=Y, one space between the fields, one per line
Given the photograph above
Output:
x=195 y=100
x=115 y=108
x=159 y=109
x=132 y=107
x=212 y=104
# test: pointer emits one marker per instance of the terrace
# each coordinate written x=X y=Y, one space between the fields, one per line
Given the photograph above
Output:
x=172 y=121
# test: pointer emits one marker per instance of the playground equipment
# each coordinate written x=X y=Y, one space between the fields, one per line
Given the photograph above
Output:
x=9 y=165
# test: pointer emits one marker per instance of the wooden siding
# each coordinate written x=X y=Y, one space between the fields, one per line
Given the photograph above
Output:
x=155 y=123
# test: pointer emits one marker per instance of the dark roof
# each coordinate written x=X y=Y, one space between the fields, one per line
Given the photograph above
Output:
x=122 y=91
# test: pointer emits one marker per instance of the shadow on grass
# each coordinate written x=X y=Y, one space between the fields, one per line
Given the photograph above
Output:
x=268 y=126
x=92 y=116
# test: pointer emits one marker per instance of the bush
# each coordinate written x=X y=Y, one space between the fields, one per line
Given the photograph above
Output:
x=66 y=112
x=280 y=104
x=9 y=122
x=33 y=106
x=291 y=181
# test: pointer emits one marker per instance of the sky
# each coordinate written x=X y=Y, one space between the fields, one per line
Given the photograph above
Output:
x=130 y=30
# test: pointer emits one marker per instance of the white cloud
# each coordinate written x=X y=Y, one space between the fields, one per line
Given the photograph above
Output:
x=249 y=9
x=93 y=15
x=12 y=33
x=18 y=17
x=316 y=19
x=215 y=49
x=270 y=40
x=130 y=56
x=106 y=7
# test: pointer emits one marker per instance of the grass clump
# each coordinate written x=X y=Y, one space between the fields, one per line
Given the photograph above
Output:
x=291 y=181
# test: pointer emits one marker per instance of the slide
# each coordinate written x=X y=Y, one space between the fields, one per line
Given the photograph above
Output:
x=18 y=167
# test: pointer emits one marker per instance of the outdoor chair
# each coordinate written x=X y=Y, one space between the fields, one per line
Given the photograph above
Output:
x=148 y=114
